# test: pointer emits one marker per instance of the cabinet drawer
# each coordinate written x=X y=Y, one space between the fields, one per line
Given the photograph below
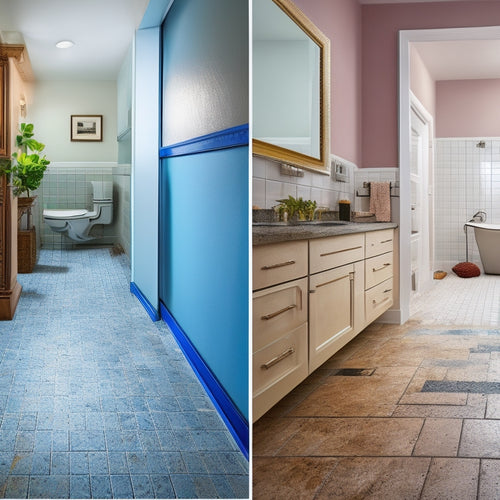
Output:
x=378 y=242
x=378 y=269
x=378 y=299
x=327 y=253
x=277 y=263
x=278 y=368
x=278 y=310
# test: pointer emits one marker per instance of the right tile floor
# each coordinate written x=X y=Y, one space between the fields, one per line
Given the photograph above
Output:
x=401 y=412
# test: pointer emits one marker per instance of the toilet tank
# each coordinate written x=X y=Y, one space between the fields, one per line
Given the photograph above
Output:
x=102 y=190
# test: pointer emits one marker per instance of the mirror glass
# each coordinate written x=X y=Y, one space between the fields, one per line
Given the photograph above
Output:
x=290 y=85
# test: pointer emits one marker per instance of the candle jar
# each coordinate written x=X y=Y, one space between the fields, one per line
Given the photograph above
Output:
x=344 y=210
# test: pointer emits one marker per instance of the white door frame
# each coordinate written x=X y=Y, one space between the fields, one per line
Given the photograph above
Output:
x=426 y=197
x=406 y=37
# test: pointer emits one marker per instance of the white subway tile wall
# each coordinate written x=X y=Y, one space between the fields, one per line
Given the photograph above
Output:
x=383 y=174
x=466 y=180
x=269 y=185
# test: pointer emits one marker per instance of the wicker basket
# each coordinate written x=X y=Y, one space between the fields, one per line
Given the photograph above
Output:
x=26 y=250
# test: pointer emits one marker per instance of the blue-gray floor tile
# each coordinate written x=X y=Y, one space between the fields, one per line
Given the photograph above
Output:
x=16 y=487
x=162 y=486
x=49 y=487
x=100 y=486
x=121 y=486
x=141 y=484
x=104 y=408
x=79 y=486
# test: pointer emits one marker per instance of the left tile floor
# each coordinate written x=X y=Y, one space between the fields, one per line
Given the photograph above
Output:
x=97 y=401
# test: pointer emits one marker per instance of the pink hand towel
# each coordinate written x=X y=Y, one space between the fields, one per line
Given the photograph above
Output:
x=380 y=200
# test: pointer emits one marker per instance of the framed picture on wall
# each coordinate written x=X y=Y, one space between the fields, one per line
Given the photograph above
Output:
x=86 y=128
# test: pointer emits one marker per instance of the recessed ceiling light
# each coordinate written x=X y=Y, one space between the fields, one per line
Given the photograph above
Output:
x=64 y=44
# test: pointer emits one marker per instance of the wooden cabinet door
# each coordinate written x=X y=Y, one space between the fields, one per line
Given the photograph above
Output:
x=331 y=313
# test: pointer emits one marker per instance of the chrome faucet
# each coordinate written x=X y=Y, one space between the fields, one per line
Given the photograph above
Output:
x=479 y=216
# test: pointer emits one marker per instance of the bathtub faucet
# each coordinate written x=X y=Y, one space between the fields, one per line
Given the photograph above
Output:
x=479 y=216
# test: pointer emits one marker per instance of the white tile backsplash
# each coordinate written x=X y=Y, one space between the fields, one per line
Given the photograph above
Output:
x=269 y=185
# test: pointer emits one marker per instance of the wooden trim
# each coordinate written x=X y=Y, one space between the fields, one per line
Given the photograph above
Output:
x=4 y=107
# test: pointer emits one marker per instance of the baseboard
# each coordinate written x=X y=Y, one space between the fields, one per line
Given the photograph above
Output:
x=235 y=422
x=391 y=316
x=153 y=313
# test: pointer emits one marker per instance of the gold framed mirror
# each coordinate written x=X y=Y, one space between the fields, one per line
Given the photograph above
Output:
x=291 y=86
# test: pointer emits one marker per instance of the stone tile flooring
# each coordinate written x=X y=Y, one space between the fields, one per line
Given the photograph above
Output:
x=418 y=419
x=97 y=401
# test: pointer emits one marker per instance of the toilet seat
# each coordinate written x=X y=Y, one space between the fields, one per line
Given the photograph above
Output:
x=65 y=213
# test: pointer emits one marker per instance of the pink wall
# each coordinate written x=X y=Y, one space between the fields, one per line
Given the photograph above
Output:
x=340 y=21
x=468 y=108
x=421 y=83
x=380 y=26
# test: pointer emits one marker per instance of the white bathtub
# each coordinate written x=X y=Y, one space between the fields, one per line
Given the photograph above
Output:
x=488 y=242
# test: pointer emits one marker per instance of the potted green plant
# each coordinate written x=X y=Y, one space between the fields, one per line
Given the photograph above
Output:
x=28 y=166
x=25 y=171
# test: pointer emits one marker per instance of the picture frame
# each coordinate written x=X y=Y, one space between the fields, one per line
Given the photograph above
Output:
x=86 y=128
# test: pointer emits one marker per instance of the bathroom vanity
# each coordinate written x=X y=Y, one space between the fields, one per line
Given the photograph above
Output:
x=315 y=287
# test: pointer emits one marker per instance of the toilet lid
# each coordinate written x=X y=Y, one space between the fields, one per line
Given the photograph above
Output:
x=64 y=213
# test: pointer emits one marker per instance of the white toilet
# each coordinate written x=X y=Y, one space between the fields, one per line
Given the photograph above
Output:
x=76 y=223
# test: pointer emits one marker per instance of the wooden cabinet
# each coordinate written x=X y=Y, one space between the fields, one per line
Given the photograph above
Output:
x=280 y=262
x=336 y=301
x=279 y=313
x=312 y=297
x=379 y=271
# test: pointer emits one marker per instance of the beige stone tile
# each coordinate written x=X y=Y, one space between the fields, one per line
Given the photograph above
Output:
x=434 y=398
x=493 y=406
x=402 y=352
x=451 y=479
x=269 y=434
x=375 y=395
x=376 y=478
x=474 y=408
x=480 y=438
x=494 y=371
x=472 y=372
x=354 y=437
x=286 y=478
x=439 y=438
x=489 y=480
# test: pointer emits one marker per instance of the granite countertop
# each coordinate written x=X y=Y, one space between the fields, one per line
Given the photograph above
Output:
x=276 y=232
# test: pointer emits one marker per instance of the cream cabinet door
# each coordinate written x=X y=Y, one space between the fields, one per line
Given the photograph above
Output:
x=335 y=311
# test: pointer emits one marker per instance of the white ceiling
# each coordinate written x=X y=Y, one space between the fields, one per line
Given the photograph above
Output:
x=101 y=29
x=461 y=59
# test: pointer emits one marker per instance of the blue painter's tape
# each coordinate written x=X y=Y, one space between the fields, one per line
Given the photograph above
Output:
x=228 y=138
x=236 y=423
x=153 y=313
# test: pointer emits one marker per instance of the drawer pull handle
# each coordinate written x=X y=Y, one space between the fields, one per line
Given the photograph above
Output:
x=277 y=313
x=350 y=276
x=375 y=269
x=388 y=290
x=278 y=358
x=375 y=303
x=381 y=242
x=281 y=264
x=339 y=251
